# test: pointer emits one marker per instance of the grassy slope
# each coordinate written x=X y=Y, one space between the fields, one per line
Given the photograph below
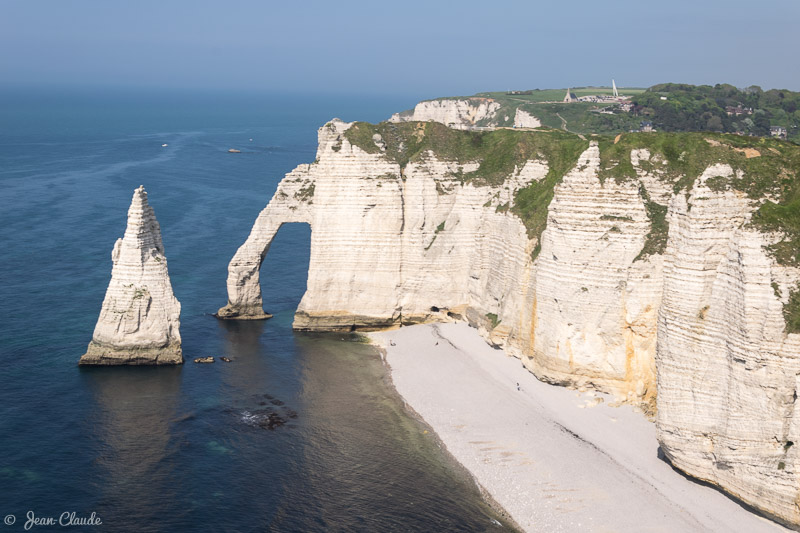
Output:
x=557 y=95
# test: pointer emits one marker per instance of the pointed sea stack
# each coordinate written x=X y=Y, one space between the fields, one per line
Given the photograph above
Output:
x=140 y=320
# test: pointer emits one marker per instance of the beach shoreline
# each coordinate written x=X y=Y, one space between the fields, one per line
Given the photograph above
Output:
x=550 y=458
x=452 y=461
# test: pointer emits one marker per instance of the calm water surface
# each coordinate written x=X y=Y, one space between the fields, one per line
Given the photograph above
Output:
x=181 y=449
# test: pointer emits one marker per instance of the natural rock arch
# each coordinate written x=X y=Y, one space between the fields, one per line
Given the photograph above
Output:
x=244 y=281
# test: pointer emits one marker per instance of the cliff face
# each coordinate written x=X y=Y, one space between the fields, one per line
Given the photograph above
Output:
x=598 y=263
x=727 y=371
x=140 y=319
x=468 y=114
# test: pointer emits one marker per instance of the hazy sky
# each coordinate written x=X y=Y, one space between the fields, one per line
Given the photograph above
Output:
x=427 y=48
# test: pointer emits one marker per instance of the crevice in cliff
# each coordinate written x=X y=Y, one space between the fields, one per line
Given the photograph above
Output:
x=402 y=189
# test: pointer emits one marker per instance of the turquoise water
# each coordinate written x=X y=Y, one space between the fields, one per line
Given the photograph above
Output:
x=181 y=449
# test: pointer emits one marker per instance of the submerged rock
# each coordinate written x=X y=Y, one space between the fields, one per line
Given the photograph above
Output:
x=139 y=322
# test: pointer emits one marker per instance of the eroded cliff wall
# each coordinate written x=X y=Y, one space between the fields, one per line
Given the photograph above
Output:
x=598 y=262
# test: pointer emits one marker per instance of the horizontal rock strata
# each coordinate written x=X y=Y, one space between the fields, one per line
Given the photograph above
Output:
x=635 y=279
x=140 y=318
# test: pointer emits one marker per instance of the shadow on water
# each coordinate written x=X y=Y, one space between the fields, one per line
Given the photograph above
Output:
x=242 y=337
x=366 y=464
x=132 y=419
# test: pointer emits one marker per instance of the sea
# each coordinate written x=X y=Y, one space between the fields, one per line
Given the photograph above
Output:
x=190 y=448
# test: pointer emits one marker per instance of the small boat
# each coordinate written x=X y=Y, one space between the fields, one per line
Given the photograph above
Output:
x=234 y=151
x=251 y=140
x=164 y=145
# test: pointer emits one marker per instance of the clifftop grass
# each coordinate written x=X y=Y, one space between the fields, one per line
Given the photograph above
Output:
x=680 y=158
x=498 y=153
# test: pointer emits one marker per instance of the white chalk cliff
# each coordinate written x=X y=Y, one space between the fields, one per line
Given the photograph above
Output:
x=140 y=319
x=462 y=114
x=472 y=113
x=590 y=302
x=523 y=119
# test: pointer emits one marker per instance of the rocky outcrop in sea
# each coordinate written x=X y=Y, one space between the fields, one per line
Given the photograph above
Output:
x=140 y=319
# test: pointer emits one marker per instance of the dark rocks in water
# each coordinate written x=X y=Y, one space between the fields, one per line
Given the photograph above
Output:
x=269 y=417
x=265 y=418
x=225 y=359
x=272 y=420
x=204 y=360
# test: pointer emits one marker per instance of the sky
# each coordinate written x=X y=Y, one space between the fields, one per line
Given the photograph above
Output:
x=427 y=48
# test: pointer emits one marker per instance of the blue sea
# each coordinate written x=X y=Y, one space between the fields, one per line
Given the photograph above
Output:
x=183 y=449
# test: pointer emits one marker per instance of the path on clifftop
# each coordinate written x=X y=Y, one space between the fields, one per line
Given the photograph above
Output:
x=563 y=122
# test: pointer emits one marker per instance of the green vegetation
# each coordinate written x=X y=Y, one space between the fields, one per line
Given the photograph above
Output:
x=656 y=240
x=580 y=117
x=305 y=193
x=436 y=232
x=493 y=320
x=556 y=95
x=498 y=151
x=140 y=293
x=776 y=289
x=680 y=158
x=791 y=312
x=763 y=168
x=614 y=217
x=670 y=107
x=681 y=107
x=772 y=170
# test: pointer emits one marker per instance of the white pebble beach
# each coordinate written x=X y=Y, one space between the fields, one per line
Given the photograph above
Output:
x=555 y=459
